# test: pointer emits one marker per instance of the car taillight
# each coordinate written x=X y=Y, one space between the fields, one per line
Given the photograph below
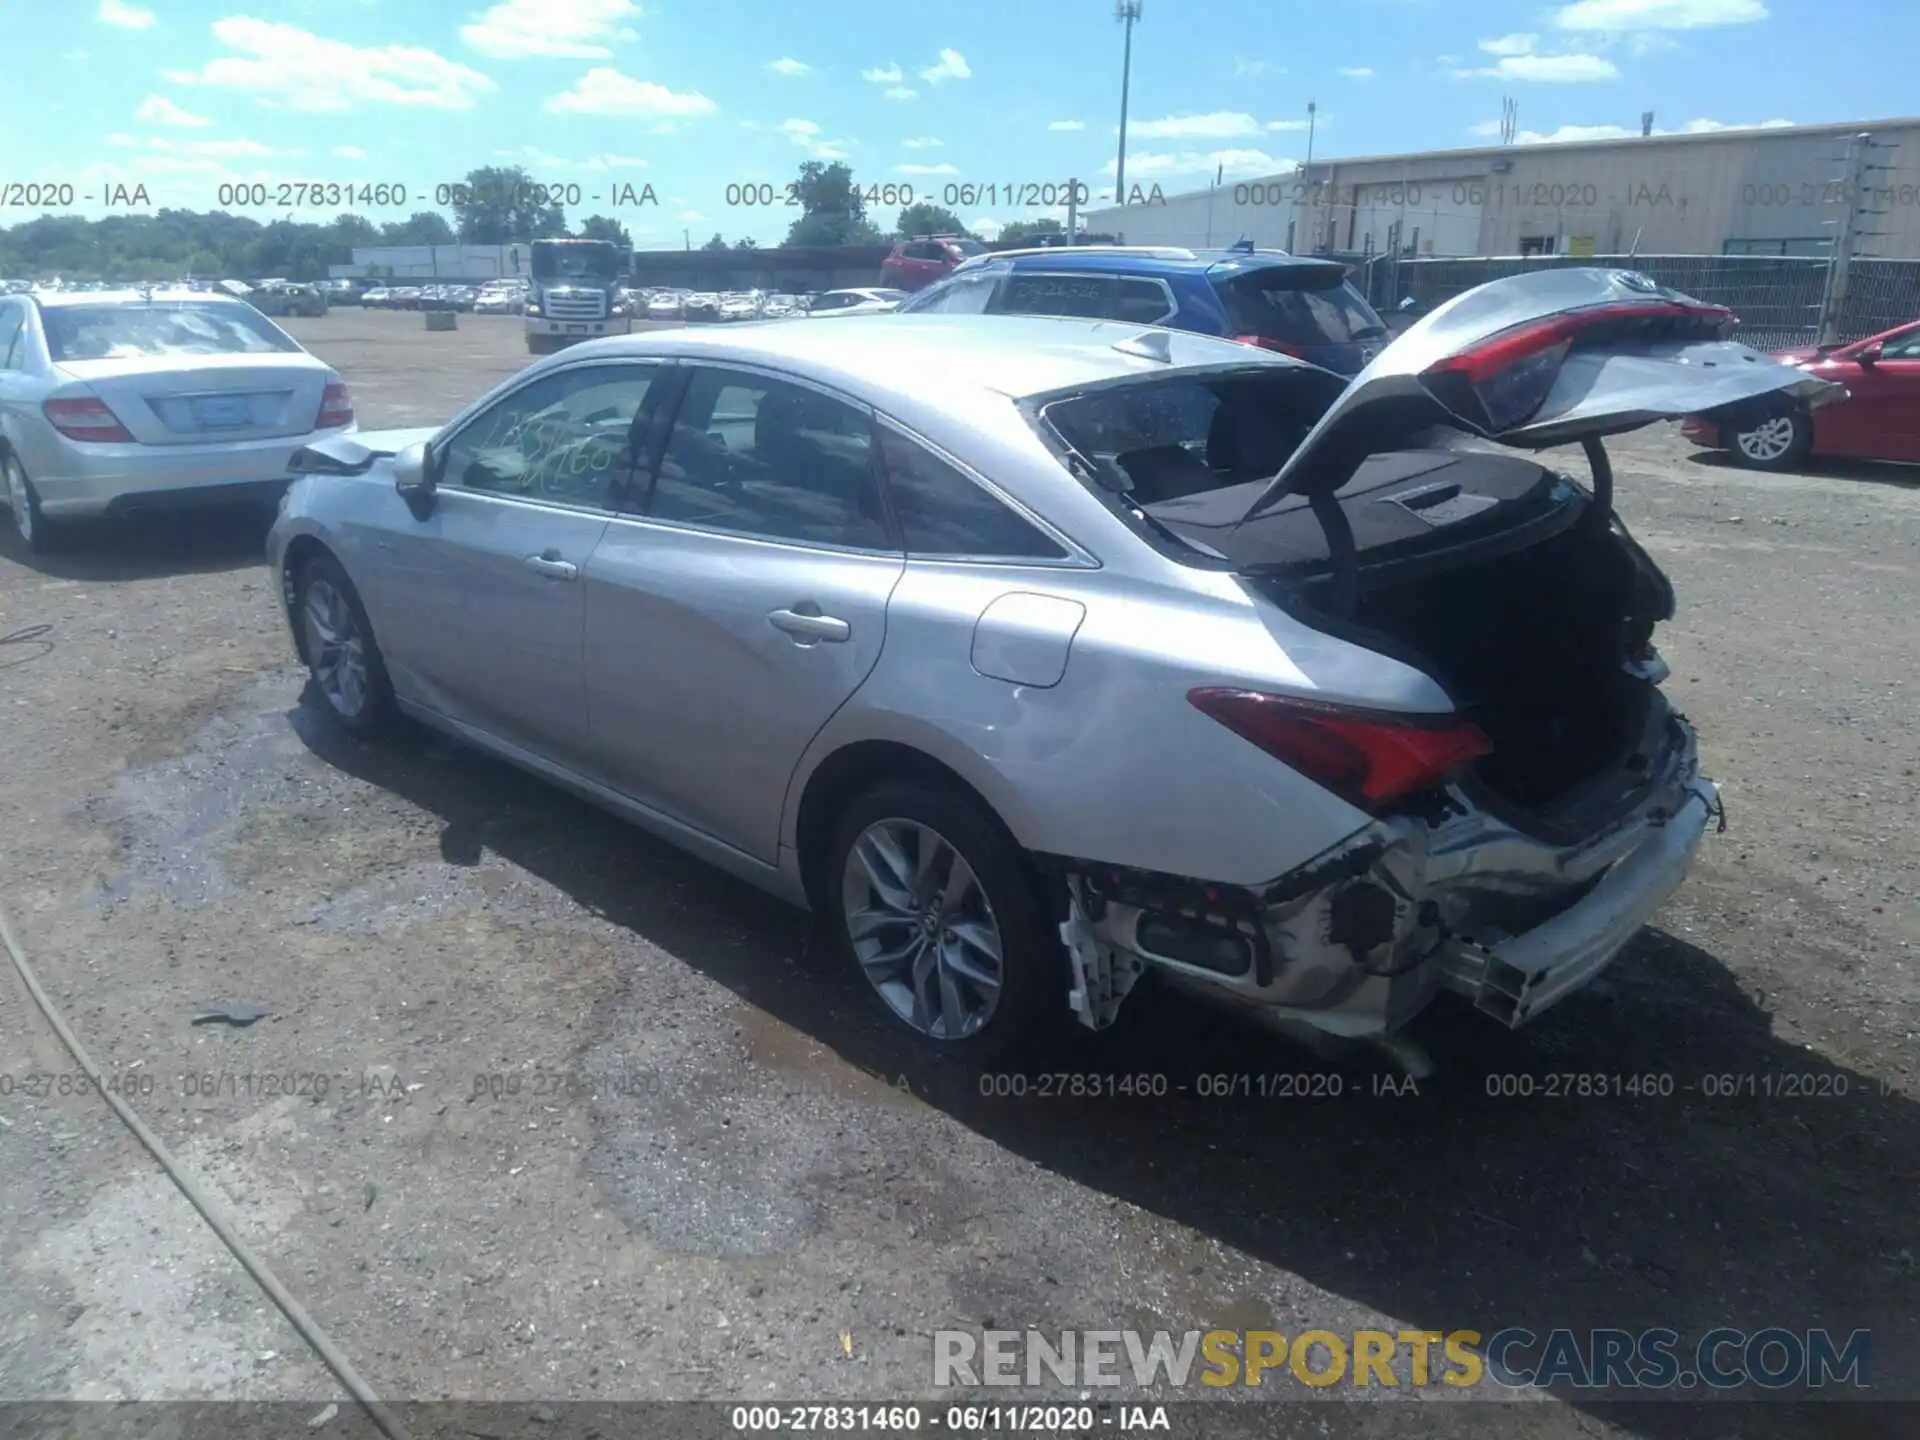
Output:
x=1267 y=342
x=1511 y=373
x=88 y=418
x=336 y=407
x=1372 y=758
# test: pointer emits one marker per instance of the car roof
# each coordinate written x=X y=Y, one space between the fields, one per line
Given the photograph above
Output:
x=1156 y=260
x=1012 y=355
x=55 y=299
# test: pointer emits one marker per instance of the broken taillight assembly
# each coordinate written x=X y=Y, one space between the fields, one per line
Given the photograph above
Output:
x=1375 y=759
x=1511 y=373
x=336 y=407
x=86 y=418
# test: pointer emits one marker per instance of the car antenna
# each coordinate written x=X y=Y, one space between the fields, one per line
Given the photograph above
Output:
x=1149 y=345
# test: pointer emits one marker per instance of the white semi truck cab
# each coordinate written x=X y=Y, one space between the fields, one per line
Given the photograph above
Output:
x=574 y=293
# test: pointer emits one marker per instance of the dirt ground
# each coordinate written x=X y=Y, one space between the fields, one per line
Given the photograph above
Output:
x=598 y=1122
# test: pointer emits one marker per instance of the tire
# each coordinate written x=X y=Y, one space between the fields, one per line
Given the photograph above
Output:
x=942 y=999
x=1781 y=441
x=30 y=527
x=334 y=633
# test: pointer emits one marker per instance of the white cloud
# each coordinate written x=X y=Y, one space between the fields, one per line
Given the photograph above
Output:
x=294 y=69
x=951 y=65
x=1356 y=72
x=888 y=74
x=158 y=110
x=349 y=152
x=806 y=134
x=1149 y=164
x=986 y=227
x=1620 y=15
x=1548 y=69
x=923 y=142
x=123 y=15
x=1067 y=125
x=901 y=92
x=799 y=131
x=1510 y=45
x=1569 y=134
x=786 y=65
x=926 y=169
x=566 y=29
x=541 y=160
x=1243 y=66
x=214 y=149
x=603 y=91
x=690 y=215
x=1219 y=125
x=1276 y=125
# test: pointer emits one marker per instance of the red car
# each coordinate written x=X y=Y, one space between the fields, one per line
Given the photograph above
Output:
x=1879 y=419
x=917 y=263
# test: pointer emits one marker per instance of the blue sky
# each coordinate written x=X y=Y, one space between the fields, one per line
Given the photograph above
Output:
x=691 y=96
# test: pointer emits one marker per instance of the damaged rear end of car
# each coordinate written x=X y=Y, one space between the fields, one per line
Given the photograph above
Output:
x=1506 y=848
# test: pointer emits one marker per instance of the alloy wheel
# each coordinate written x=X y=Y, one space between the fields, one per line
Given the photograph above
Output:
x=1767 y=441
x=19 y=500
x=923 y=929
x=336 y=648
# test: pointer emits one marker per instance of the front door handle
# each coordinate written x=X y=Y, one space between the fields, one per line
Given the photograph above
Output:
x=549 y=564
x=807 y=628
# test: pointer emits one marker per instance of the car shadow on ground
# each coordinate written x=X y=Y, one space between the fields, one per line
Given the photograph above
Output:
x=1866 y=472
x=1714 y=1198
x=184 y=542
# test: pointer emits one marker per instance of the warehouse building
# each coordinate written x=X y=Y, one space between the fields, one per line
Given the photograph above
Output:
x=434 y=262
x=1772 y=190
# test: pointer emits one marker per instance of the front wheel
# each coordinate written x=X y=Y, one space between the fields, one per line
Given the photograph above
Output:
x=1779 y=442
x=345 y=663
x=941 y=913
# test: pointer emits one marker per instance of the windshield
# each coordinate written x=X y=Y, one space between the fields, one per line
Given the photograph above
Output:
x=187 y=327
x=575 y=262
x=1180 y=435
x=1301 y=309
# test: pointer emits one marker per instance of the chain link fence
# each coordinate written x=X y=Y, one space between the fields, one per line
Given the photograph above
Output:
x=1777 y=297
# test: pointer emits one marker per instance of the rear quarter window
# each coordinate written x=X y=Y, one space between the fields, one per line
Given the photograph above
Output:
x=1300 y=310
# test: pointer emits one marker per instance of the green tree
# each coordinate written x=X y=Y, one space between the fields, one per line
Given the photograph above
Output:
x=832 y=212
x=423 y=227
x=929 y=219
x=746 y=242
x=1030 y=229
x=718 y=242
x=500 y=204
x=601 y=227
x=351 y=230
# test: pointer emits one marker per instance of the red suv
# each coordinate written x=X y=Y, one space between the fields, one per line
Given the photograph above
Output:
x=917 y=263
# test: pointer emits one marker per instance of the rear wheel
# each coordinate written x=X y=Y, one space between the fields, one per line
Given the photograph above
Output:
x=342 y=658
x=1779 y=442
x=23 y=504
x=939 y=910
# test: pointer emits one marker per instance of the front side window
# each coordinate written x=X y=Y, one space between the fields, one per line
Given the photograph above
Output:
x=12 y=325
x=1092 y=297
x=1902 y=347
x=139 y=328
x=564 y=438
x=766 y=458
x=942 y=512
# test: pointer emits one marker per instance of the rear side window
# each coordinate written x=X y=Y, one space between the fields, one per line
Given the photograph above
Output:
x=1091 y=297
x=1299 y=309
x=942 y=512
x=967 y=293
x=186 y=327
x=12 y=320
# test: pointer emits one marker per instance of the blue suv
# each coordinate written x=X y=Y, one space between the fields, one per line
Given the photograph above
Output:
x=1302 y=306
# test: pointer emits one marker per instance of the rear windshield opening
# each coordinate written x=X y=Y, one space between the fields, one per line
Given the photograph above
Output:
x=1165 y=439
x=1308 y=309
x=132 y=331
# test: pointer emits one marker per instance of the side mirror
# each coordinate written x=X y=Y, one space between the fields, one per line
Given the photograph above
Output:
x=1870 y=355
x=1408 y=305
x=413 y=478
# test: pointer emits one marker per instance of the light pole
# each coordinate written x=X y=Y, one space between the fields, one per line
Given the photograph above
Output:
x=1127 y=12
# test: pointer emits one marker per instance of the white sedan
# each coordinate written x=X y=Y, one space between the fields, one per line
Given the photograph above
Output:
x=856 y=302
x=123 y=401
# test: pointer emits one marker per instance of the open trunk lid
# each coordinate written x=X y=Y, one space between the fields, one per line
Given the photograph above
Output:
x=1537 y=360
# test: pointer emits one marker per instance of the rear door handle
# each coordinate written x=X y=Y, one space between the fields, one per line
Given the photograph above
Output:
x=552 y=566
x=809 y=628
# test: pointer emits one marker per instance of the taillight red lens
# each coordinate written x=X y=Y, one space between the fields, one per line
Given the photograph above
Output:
x=87 y=418
x=336 y=407
x=1372 y=758
x=1267 y=342
x=1490 y=357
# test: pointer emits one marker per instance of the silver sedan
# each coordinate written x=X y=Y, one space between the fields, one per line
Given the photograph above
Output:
x=118 y=401
x=1045 y=657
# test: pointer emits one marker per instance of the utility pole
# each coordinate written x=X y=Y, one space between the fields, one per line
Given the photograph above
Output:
x=1127 y=12
x=1855 y=184
x=1073 y=209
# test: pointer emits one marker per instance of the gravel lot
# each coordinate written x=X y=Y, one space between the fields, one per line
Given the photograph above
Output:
x=614 y=1127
